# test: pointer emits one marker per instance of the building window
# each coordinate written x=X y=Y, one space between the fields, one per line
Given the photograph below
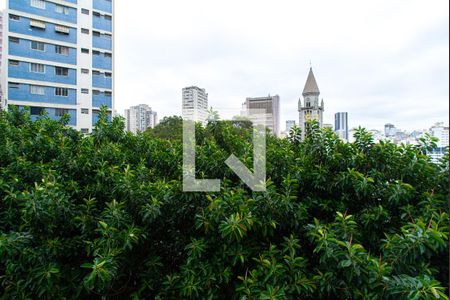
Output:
x=85 y=111
x=36 y=111
x=62 y=50
x=108 y=94
x=14 y=40
x=37 y=24
x=62 y=29
x=37 y=68
x=108 y=55
x=39 y=46
x=60 y=112
x=85 y=91
x=108 y=17
x=84 y=71
x=14 y=17
x=96 y=33
x=59 y=71
x=107 y=74
x=13 y=85
x=96 y=92
x=84 y=130
x=62 y=92
x=97 y=14
x=62 y=9
x=38 y=4
x=85 y=11
x=84 y=30
x=96 y=73
x=37 y=90
x=85 y=51
x=14 y=62
x=95 y=52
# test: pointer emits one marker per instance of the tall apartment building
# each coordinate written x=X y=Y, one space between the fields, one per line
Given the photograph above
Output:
x=270 y=105
x=139 y=118
x=58 y=58
x=312 y=109
x=341 y=125
x=195 y=104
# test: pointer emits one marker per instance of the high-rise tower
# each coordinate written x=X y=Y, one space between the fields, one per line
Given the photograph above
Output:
x=269 y=107
x=313 y=108
x=341 y=125
x=59 y=58
x=195 y=104
x=139 y=118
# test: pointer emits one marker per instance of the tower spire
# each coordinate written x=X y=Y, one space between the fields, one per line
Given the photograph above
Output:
x=311 y=87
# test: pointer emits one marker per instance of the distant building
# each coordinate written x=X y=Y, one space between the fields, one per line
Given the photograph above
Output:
x=442 y=133
x=398 y=137
x=378 y=135
x=328 y=126
x=195 y=104
x=289 y=125
x=390 y=130
x=139 y=118
x=341 y=125
x=417 y=134
x=271 y=106
x=312 y=108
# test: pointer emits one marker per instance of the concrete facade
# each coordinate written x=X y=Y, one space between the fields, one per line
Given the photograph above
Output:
x=195 y=104
x=139 y=118
x=271 y=106
x=58 y=58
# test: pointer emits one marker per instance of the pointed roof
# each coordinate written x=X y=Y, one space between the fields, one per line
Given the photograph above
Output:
x=311 y=86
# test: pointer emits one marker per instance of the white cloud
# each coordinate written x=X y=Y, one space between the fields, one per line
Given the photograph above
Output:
x=382 y=61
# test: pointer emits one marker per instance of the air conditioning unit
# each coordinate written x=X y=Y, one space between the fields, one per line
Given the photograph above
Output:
x=37 y=24
x=62 y=29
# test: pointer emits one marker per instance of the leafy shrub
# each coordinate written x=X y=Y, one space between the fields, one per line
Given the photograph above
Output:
x=104 y=215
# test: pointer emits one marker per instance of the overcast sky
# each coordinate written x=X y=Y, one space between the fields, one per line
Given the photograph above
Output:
x=382 y=61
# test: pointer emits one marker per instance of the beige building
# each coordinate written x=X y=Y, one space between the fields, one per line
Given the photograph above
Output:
x=270 y=106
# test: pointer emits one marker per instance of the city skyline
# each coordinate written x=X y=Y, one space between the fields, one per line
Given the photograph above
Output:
x=391 y=68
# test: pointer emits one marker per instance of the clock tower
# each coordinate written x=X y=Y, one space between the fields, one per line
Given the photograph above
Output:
x=312 y=108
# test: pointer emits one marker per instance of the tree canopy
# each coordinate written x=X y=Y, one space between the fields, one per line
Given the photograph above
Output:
x=104 y=215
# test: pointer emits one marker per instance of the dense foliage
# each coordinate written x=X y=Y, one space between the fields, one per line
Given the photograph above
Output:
x=104 y=215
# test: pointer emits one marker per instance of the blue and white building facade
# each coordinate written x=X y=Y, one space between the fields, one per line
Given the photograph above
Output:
x=58 y=58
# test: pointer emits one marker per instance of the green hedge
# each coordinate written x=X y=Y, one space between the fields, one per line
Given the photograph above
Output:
x=104 y=216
